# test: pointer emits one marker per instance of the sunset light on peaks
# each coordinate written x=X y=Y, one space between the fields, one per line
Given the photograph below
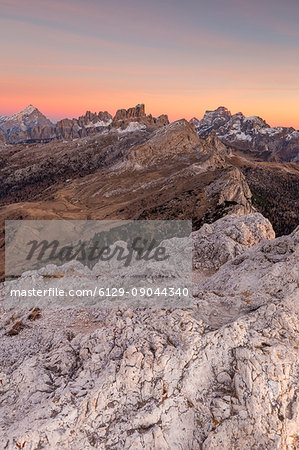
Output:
x=149 y=212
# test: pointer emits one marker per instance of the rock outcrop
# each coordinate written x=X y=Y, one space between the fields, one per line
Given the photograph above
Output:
x=250 y=134
x=227 y=238
x=214 y=376
x=138 y=112
x=231 y=194
x=175 y=139
x=124 y=118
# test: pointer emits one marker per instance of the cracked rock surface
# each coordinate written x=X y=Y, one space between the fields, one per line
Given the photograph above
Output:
x=220 y=375
x=228 y=237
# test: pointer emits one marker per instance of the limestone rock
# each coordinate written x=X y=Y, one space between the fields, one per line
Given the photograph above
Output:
x=219 y=375
x=228 y=237
x=232 y=194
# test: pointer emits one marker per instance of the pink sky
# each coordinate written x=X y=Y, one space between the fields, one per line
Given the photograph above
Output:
x=178 y=58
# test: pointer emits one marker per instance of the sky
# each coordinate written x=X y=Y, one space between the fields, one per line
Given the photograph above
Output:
x=178 y=57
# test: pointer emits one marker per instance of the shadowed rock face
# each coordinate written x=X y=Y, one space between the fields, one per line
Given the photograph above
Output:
x=2 y=137
x=250 y=134
x=211 y=376
x=174 y=140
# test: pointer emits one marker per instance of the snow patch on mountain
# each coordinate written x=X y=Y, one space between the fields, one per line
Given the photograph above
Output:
x=293 y=135
x=133 y=126
x=99 y=123
x=250 y=134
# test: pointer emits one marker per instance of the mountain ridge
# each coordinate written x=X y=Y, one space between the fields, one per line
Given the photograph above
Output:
x=250 y=135
x=30 y=125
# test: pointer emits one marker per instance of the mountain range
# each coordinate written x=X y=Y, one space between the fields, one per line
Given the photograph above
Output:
x=136 y=166
x=218 y=374
x=30 y=125
x=250 y=135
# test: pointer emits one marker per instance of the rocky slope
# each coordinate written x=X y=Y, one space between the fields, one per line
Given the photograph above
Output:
x=222 y=374
x=164 y=173
x=250 y=135
x=274 y=190
x=2 y=137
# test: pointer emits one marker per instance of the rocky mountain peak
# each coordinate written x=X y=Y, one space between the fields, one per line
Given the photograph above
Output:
x=194 y=121
x=257 y=122
x=90 y=120
x=214 y=119
x=23 y=121
x=27 y=110
x=220 y=111
x=132 y=113
x=223 y=110
x=124 y=118
x=250 y=134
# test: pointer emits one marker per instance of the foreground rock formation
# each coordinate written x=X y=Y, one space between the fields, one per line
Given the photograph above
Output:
x=219 y=375
x=223 y=240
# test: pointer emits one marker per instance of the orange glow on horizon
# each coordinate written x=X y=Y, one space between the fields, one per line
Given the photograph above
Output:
x=72 y=56
x=283 y=113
